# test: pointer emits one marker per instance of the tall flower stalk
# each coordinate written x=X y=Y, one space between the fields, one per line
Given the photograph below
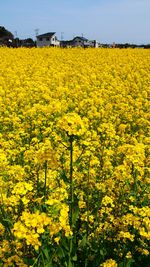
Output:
x=71 y=180
x=71 y=196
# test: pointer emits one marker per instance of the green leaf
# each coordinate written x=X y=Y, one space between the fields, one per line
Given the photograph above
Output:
x=101 y=252
x=121 y=264
x=75 y=258
x=70 y=264
x=60 y=253
x=8 y=221
x=83 y=242
x=50 y=264
x=129 y=263
x=75 y=215
x=64 y=244
x=45 y=252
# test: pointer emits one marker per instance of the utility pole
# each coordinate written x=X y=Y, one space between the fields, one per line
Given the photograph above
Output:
x=16 y=39
x=62 y=36
x=36 y=32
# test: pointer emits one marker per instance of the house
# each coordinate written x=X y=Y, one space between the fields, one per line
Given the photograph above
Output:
x=67 y=43
x=93 y=43
x=47 y=39
x=79 y=41
x=83 y=42
x=26 y=42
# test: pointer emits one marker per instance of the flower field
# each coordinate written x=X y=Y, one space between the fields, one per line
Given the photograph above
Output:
x=74 y=157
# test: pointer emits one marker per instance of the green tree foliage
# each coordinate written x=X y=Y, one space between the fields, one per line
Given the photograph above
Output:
x=4 y=33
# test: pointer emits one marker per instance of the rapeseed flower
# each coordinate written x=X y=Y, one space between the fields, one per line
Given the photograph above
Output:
x=82 y=114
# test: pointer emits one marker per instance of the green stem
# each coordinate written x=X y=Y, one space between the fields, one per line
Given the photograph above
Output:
x=45 y=178
x=71 y=196
x=88 y=182
x=87 y=203
x=71 y=181
x=36 y=260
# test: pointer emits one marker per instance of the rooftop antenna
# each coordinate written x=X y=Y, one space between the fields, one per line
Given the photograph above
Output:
x=62 y=36
x=36 y=32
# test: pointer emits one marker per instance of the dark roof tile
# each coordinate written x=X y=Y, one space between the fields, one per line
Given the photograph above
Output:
x=48 y=34
x=81 y=38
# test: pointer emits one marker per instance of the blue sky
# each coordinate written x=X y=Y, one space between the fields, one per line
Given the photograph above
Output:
x=107 y=21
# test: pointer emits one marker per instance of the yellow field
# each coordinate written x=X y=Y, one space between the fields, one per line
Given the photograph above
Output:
x=74 y=157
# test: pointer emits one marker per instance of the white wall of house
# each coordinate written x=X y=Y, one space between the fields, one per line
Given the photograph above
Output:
x=47 y=41
x=93 y=43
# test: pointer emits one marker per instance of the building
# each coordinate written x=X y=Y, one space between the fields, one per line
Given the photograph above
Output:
x=93 y=43
x=47 y=39
x=79 y=41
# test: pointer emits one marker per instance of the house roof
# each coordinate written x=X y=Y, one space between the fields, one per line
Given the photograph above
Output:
x=48 y=34
x=81 y=38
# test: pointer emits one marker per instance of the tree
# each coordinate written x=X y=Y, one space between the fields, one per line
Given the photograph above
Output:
x=5 y=33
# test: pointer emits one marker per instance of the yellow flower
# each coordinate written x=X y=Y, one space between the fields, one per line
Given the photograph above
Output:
x=40 y=230
x=98 y=100
x=72 y=124
x=2 y=229
x=129 y=255
x=126 y=235
x=107 y=201
x=57 y=239
x=109 y=263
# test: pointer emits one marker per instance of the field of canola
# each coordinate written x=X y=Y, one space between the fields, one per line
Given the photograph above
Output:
x=74 y=157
